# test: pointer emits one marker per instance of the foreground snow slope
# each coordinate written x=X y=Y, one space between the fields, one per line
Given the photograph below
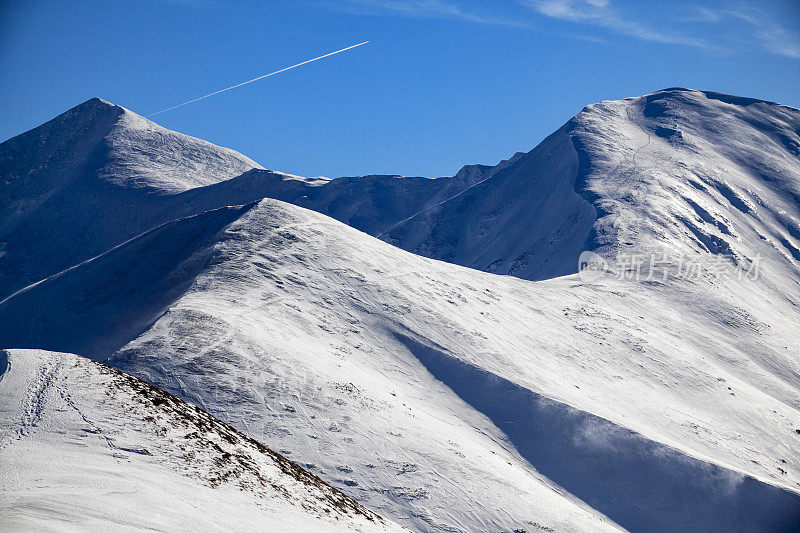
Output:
x=446 y=397
x=86 y=447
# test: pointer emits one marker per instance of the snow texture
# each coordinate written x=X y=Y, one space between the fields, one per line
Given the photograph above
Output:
x=86 y=447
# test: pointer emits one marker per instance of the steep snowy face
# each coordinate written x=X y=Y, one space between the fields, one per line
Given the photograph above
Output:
x=38 y=164
x=526 y=219
x=97 y=139
x=142 y=154
x=85 y=446
x=676 y=170
x=689 y=171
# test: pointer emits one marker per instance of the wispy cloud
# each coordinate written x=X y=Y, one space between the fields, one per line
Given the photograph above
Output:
x=759 y=29
x=701 y=24
x=769 y=34
x=602 y=14
x=582 y=37
x=779 y=41
x=426 y=9
x=698 y=13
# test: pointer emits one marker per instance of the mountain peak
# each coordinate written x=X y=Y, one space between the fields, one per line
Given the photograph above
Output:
x=710 y=95
x=100 y=160
x=97 y=101
x=92 y=109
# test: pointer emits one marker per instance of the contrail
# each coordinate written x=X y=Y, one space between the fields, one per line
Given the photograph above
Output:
x=259 y=78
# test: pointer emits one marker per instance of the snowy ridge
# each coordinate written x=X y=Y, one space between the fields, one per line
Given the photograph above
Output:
x=691 y=169
x=86 y=446
x=102 y=171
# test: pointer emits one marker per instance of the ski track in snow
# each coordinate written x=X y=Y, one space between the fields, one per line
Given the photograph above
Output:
x=36 y=397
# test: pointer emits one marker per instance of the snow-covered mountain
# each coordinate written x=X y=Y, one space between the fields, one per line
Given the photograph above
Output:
x=448 y=398
x=100 y=174
x=677 y=168
x=90 y=179
x=86 y=447
x=329 y=345
x=312 y=375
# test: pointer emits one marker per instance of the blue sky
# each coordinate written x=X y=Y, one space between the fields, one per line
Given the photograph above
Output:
x=441 y=84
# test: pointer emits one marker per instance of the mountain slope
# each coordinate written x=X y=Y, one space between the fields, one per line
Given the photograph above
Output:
x=87 y=447
x=289 y=379
x=672 y=169
x=90 y=179
x=329 y=344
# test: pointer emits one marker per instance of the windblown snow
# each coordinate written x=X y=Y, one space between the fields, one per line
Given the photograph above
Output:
x=440 y=394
